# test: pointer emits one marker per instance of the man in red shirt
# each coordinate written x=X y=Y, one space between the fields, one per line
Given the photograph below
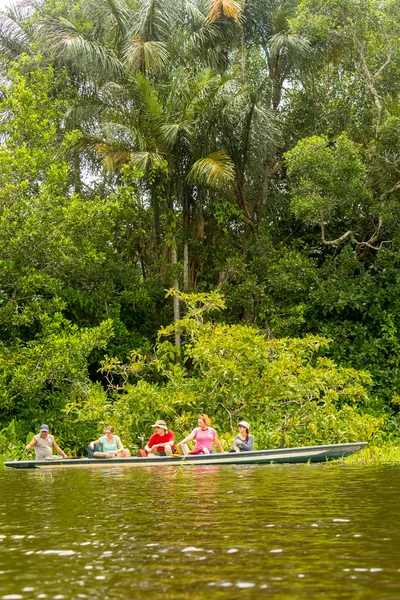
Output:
x=161 y=442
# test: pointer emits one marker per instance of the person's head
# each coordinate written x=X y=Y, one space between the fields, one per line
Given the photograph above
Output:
x=204 y=420
x=160 y=427
x=109 y=430
x=44 y=431
x=244 y=427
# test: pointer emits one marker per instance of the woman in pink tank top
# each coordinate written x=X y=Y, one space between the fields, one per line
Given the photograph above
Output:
x=205 y=437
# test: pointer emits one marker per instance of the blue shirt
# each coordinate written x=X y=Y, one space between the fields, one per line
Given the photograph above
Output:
x=107 y=447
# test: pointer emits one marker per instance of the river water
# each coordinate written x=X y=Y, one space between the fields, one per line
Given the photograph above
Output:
x=227 y=532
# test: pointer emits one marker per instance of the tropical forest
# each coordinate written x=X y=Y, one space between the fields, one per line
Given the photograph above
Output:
x=200 y=213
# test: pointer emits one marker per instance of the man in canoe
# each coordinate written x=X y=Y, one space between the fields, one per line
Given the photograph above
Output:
x=43 y=443
x=161 y=442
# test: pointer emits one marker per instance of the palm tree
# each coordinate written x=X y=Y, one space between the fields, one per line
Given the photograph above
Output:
x=130 y=109
x=16 y=34
x=165 y=140
x=266 y=23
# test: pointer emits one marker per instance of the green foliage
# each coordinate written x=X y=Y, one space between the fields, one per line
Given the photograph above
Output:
x=291 y=395
x=154 y=144
x=48 y=369
x=329 y=179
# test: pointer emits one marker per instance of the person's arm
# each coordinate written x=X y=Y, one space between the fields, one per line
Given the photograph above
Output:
x=247 y=446
x=119 y=444
x=32 y=443
x=189 y=437
x=218 y=443
x=92 y=444
x=58 y=449
x=148 y=447
x=236 y=443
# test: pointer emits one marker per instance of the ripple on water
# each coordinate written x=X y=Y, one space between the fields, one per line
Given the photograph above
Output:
x=302 y=529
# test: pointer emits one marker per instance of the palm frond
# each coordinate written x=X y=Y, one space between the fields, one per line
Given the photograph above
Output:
x=113 y=94
x=145 y=160
x=86 y=111
x=292 y=46
x=148 y=98
x=119 y=11
x=113 y=156
x=145 y=56
x=154 y=20
x=129 y=136
x=264 y=128
x=214 y=171
x=172 y=133
x=14 y=40
x=195 y=14
x=224 y=8
x=65 y=40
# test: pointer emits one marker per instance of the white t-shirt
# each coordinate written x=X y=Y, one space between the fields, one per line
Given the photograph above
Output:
x=43 y=447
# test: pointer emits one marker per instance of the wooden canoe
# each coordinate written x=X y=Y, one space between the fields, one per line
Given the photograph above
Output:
x=280 y=455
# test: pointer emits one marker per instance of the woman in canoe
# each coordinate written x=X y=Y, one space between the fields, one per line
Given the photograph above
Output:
x=111 y=444
x=244 y=441
x=205 y=437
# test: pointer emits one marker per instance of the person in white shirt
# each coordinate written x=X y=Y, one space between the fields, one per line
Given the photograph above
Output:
x=43 y=443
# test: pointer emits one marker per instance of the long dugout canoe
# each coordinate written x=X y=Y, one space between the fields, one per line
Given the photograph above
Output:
x=279 y=455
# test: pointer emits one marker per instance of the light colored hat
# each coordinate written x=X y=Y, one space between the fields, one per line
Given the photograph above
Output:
x=160 y=424
x=245 y=424
x=44 y=428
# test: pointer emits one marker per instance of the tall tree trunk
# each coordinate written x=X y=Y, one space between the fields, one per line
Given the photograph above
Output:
x=156 y=219
x=186 y=265
x=174 y=261
x=186 y=224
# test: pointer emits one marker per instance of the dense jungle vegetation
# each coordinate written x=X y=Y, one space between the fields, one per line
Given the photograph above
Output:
x=245 y=156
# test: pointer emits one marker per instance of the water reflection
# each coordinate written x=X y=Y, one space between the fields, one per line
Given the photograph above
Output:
x=233 y=532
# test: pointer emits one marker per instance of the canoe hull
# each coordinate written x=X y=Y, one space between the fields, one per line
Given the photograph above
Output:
x=277 y=456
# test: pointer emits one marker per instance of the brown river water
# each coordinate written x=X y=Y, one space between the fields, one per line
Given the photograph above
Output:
x=223 y=532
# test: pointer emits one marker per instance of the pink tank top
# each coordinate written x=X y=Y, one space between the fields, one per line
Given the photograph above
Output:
x=204 y=439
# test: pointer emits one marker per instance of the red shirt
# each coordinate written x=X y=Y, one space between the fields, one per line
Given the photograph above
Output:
x=156 y=438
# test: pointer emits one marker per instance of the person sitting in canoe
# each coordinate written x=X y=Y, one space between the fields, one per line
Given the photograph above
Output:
x=111 y=444
x=43 y=443
x=205 y=437
x=161 y=442
x=244 y=441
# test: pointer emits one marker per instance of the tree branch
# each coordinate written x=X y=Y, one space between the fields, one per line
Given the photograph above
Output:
x=338 y=240
x=371 y=78
x=388 y=192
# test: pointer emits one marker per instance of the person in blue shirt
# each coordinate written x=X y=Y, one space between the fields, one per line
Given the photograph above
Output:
x=111 y=444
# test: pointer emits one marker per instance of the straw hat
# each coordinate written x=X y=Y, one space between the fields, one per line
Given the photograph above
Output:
x=160 y=424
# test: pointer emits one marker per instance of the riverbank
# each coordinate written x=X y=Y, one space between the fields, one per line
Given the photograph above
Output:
x=373 y=455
